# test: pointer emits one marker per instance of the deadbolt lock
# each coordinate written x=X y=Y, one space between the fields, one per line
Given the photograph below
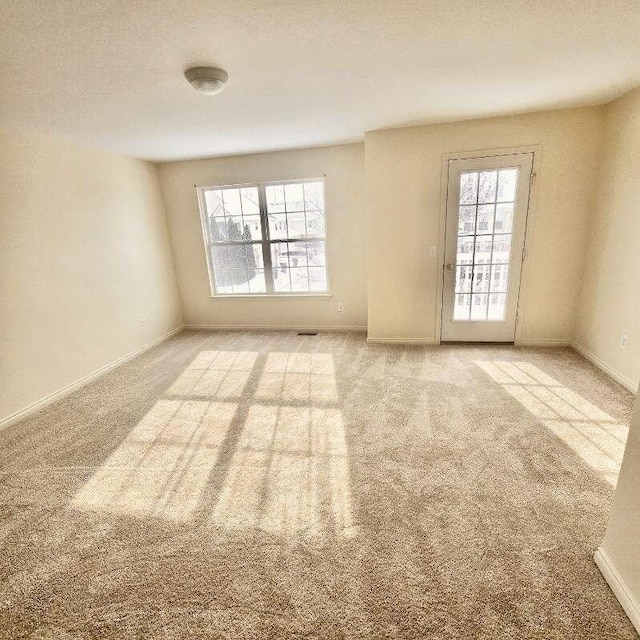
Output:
x=448 y=266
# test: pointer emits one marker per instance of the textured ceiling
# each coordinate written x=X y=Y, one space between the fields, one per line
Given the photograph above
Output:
x=302 y=73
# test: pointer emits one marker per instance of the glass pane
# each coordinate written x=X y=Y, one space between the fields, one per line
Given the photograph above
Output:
x=294 y=197
x=254 y=256
x=231 y=228
x=487 y=187
x=257 y=283
x=313 y=196
x=297 y=225
x=483 y=250
x=507 y=181
x=299 y=279
x=463 y=279
x=466 y=220
x=237 y=257
x=497 y=306
x=252 y=229
x=504 y=218
x=288 y=254
x=465 y=251
x=240 y=280
x=317 y=279
x=499 y=278
x=278 y=226
x=481 y=275
x=223 y=281
x=315 y=223
x=484 y=222
x=249 y=197
x=462 y=304
x=316 y=253
x=217 y=228
x=468 y=188
x=479 y=304
x=501 y=248
x=213 y=201
x=231 y=199
x=281 y=281
x=275 y=198
x=220 y=257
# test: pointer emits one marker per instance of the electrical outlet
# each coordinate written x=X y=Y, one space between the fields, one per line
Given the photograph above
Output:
x=432 y=252
x=143 y=321
x=340 y=307
x=623 y=341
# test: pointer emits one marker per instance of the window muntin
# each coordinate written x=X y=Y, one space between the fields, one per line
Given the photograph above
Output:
x=265 y=238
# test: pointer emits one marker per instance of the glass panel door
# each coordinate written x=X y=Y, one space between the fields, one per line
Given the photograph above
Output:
x=487 y=206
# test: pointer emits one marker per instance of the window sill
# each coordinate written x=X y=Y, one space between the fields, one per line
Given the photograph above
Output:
x=270 y=296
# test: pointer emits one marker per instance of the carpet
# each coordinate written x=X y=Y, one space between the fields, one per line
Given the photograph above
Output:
x=270 y=485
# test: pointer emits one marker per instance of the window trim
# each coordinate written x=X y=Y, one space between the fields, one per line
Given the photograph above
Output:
x=265 y=242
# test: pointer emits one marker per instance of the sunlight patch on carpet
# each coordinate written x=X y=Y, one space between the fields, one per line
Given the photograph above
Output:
x=590 y=432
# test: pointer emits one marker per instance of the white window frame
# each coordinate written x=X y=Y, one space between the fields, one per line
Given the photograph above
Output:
x=265 y=243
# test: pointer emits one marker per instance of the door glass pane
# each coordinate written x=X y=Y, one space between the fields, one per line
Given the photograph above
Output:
x=501 y=248
x=469 y=188
x=487 y=186
x=497 y=306
x=463 y=279
x=507 y=181
x=483 y=250
x=479 y=303
x=465 y=251
x=481 y=275
x=504 y=218
x=485 y=224
x=499 y=278
x=461 y=306
x=466 y=220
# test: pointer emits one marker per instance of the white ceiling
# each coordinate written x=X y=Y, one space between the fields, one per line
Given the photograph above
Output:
x=302 y=72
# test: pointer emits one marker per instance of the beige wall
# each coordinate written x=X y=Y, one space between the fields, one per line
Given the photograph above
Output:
x=84 y=256
x=403 y=205
x=343 y=167
x=619 y=555
x=610 y=300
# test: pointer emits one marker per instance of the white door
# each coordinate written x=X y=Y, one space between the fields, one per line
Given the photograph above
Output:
x=487 y=201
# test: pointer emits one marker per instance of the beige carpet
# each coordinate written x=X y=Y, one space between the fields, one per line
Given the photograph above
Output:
x=236 y=485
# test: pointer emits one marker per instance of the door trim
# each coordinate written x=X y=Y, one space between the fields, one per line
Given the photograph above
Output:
x=536 y=150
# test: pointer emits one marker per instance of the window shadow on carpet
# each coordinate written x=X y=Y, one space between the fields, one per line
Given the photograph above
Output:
x=590 y=432
x=241 y=440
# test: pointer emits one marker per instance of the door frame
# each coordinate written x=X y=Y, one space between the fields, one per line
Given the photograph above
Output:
x=536 y=150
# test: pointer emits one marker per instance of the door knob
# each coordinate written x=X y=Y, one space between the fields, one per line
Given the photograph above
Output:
x=448 y=266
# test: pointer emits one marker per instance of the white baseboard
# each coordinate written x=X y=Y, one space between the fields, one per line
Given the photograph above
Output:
x=603 y=366
x=418 y=341
x=618 y=586
x=70 y=388
x=533 y=342
x=277 y=327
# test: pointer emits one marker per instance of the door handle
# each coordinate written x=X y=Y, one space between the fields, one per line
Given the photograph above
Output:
x=448 y=266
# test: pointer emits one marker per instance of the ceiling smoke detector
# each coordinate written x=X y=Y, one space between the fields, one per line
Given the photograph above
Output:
x=207 y=80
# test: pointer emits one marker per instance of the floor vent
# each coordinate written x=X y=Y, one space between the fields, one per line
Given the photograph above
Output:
x=307 y=333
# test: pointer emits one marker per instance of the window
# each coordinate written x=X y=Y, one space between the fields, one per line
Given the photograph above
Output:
x=265 y=238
